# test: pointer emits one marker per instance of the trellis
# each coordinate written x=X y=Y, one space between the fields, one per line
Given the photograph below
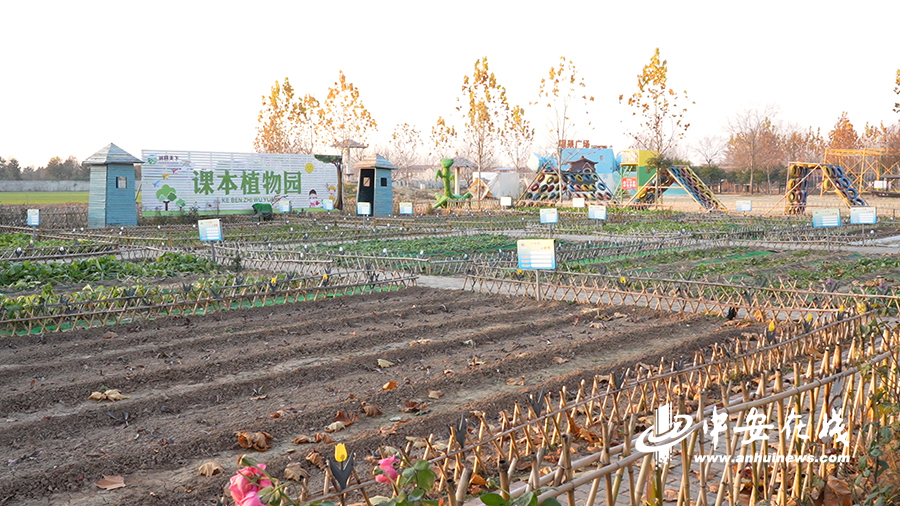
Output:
x=60 y=312
x=761 y=303
x=809 y=371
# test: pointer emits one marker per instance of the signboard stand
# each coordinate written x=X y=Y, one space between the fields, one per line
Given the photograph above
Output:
x=550 y=215
x=536 y=254
x=34 y=221
x=210 y=230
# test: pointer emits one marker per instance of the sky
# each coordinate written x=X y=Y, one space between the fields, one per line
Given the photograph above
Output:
x=190 y=75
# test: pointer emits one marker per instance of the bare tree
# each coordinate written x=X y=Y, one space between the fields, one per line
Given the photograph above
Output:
x=803 y=146
x=710 y=149
x=752 y=143
x=404 y=150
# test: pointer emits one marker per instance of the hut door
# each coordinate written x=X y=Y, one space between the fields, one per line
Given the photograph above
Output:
x=366 y=192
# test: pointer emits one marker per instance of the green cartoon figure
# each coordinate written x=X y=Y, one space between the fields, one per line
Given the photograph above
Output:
x=447 y=176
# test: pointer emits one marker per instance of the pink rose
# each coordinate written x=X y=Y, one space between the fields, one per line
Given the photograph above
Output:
x=387 y=467
x=245 y=488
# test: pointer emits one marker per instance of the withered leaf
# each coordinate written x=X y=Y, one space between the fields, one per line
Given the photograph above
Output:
x=108 y=395
x=388 y=429
x=109 y=335
x=670 y=495
x=435 y=394
x=560 y=360
x=316 y=458
x=477 y=480
x=111 y=482
x=301 y=440
x=259 y=397
x=346 y=417
x=210 y=468
x=323 y=437
x=475 y=362
x=414 y=407
x=384 y=364
x=295 y=472
x=334 y=427
x=371 y=409
x=516 y=381
x=257 y=440
x=390 y=385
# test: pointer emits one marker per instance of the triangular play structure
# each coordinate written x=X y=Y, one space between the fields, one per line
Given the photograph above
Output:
x=832 y=176
x=682 y=176
x=579 y=179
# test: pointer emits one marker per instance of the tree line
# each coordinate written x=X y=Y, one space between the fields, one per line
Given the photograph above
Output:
x=755 y=148
x=56 y=169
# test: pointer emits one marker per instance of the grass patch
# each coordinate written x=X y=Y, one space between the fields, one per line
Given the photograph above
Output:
x=19 y=198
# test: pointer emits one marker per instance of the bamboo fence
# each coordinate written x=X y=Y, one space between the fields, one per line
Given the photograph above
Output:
x=539 y=445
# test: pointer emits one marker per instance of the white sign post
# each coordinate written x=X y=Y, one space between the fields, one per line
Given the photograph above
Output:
x=863 y=215
x=536 y=254
x=596 y=212
x=33 y=219
x=210 y=230
x=550 y=216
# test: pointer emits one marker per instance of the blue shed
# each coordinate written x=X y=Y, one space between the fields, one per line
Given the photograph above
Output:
x=375 y=185
x=111 y=199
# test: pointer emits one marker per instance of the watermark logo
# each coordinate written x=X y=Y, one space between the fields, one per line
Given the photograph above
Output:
x=667 y=431
x=670 y=429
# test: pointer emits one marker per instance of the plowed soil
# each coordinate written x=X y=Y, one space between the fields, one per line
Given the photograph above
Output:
x=193 y=382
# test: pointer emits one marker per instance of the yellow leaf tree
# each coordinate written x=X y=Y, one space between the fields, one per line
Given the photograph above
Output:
x=897 y=91
x=287 y=124
x=276 y=131
x=563 y=94
x=485 y=111
x=843 y=136
x=517 y=137
x=661 y=119
x=344 y=117
x=443 y=139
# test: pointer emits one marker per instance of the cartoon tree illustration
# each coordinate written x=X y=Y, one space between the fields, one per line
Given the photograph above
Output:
x=165 y=195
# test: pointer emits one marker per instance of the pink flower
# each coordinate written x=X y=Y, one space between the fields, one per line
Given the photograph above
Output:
x=245 y=488
x=387 y=467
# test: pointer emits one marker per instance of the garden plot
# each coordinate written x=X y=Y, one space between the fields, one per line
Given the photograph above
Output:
x=421 y=357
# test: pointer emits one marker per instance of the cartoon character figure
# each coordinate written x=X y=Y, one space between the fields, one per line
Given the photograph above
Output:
x=314 y=199
x=331 y=193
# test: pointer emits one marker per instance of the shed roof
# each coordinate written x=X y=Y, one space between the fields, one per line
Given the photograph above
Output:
x=111 y=154
x=348 y=143
x=463 y=163
x=375 y=161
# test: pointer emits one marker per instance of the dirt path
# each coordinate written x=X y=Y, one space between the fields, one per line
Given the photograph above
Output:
x=193 y=382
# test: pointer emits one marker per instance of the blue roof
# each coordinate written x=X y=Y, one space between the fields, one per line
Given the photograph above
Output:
x=111 y=154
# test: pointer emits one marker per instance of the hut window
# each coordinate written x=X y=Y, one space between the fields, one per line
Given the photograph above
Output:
x=384 y=181
x=122 y=183
x=367 y=181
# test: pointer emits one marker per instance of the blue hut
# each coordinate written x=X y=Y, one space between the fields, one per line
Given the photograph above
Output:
x=375 y=186
x=111 y=198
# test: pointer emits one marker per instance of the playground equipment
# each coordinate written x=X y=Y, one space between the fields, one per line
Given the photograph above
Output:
x=444 y=199
x=865 y=166
x=679 y=175
x=833 y=176
x=589 y=173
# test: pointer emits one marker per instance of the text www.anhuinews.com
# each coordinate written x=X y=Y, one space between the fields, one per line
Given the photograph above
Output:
x=773 y=458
